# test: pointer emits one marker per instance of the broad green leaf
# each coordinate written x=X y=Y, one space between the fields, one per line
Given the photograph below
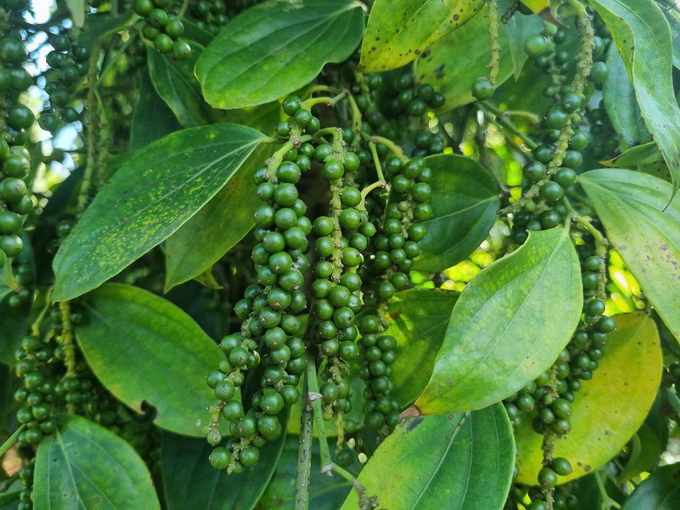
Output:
x=620 y=103
x=517 y=29
x=14 y=325
x=660 y=491
x=144 y=348
x=275 y=48
x=639 y=155
x=460 y=57
x=83 y=465
x=7 y=282
x=176 y=83
x=418 y=320
x=464 y=203
x=10 y=501
x=100 y=25
x=152 y=120
x=643 y=37
x=400 y=30
x=452 y=461
x=192 y=32
x=646 y=233
x=325 y=492
x=147 y=200
x=609 y=408
x=190 y=481
x=77 y=8
x=508 y=327
x=228 y=217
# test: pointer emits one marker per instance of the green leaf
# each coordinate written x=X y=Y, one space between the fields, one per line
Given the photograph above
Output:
x=275 y=48
x=227 y=218
x=144 y=348
x=190 y=481
x=400 y=30
x=620 y=102
x=459 y=58
x=645 y=451
x=418 y=320
x=147 y=200
x=13 y=328
x=176 y=83
x=325 y=492
x=632 y=208
x=10 y=501
x=83 y=465
x=517 y=29
x=7 y=282
x=77 y=8
x=508 y=327
x=450 y=461
x=643 y=37
x=192 y=32
x=464 y=204
x=674 y=21
x=100 y=25
x=609 y=408
x=660 y=491
x=639 y=155
x=152 y=120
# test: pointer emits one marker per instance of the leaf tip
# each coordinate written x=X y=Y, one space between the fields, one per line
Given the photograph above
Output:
x=411 y=412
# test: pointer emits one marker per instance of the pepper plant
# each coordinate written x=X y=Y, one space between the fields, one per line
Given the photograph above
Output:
x=339 y=254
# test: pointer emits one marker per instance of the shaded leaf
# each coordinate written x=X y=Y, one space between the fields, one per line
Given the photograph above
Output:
x=464 y=204
x=14 y=324
x=459 y=58
x=632 y=208
x=508 y=327
x=194 y=33
x=147 y=200
x=275 y=48
x=144 y=348
x=85 y=465
x=190 y=481
x=450 y=461
x=100 y=25
x=10 y=501
x=517 y=29
x=7 y=282
x=674 y=21
x=660 y=491
x=152 y=120
x=325 y=492
x=418 y=320
x=645 y=451
x=643 y=38
x=639 y=155
x=400 y=30
x=77 y=8
x=175 y=82
x=609 y=408
x=620 y=102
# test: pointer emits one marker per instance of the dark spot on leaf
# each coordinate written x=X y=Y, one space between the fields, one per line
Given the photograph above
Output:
x=414 y=423
x=587 y=468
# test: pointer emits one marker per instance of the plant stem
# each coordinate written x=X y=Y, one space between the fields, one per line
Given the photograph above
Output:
x=607 y=501
x=11 y=440
x=494 y=23
x=328 y=101
x=376 y=162
x=304 y=456
x=356 y=120
x=91 y=121
x=314 y=399
x=398 y=151
x=489 y=109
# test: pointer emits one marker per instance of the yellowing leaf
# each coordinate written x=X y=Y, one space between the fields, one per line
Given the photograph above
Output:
x=610 y=407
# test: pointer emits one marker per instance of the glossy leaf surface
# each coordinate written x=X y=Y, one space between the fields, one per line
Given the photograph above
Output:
x=83 y=465
x=508 y=327
x=639 y=155
x=148 y=199
x=658 y=492
x=418 y=320
x=275 y=48
x=152 y=120
x=464 y=205
x=449 y=461
x=400 y=30
x=453 y=64
x=144 y=348
x=609 y=408
x=646 y=233
x=643 y=38
x=191 y=482
x=176 y=83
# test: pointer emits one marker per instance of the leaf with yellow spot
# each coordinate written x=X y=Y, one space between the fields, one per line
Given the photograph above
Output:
x=610 y=407
x=543 y=9
x=400 y=30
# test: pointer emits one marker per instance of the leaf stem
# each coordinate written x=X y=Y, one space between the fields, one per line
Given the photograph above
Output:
x=11 y=440
x=376 y=162
x=356 y=120
x=304 y=463
x=607 y=501
x=314 y=399
x=328 y=101
x=398 y=151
